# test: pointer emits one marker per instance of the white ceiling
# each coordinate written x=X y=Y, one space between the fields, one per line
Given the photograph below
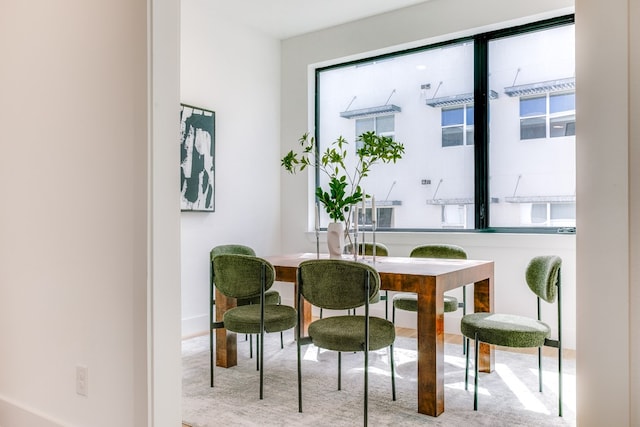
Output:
x=288 y=18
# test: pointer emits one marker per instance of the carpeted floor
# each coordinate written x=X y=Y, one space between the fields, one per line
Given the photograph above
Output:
x=508 y=396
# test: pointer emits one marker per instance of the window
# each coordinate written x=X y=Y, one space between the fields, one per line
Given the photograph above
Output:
x=533 y=123
x=562 y=114
x=384 y=218
x=382 y=125
x=553 y=214
x=429 y=98
x=454 y=216
x=559 y=117
x=457 y=126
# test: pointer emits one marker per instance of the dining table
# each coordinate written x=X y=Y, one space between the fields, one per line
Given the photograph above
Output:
x=429 y=278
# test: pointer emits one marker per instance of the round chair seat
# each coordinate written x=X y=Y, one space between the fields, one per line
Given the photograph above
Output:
x=409 y=302
x=505 y=329
x=246 y=318
x=345 y=333
x=270 y=298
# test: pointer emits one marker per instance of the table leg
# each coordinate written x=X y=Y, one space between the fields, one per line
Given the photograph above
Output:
x=483 y=302
x=226 y=343
x=430 y=349
x=305 y=311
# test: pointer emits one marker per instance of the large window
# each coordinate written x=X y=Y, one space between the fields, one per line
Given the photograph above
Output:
x=501 y=161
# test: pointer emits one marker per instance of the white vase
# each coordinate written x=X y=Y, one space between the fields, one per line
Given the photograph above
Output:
x=335 y=239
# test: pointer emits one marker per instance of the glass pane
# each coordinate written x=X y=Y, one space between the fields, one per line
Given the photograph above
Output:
x=563 y=214
x=525 y=164
x=562 y=126
x=452 y=136
x=402 y=198
x=385 y=124
x=364 y=125
x=470 y=115
x=538 y=213
x=533 y=106
x=453 y=216
x=452 y=116
x=533 y=128
x=562 y=102
x=470 y=135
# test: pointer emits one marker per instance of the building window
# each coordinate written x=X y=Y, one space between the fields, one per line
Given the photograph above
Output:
x=457 y=126
x=454 y=216
x=384 y=217
x=382 y=125
x=553 y=214
x=548 y=115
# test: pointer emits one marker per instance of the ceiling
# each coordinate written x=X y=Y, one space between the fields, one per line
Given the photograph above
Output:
x=288 y=18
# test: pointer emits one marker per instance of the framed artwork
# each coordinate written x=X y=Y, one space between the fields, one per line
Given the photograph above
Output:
x=197 y=159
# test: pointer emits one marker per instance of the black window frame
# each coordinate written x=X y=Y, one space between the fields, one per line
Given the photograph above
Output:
x=481 y=120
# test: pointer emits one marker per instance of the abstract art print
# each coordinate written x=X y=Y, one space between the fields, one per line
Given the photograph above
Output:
x=197 y=148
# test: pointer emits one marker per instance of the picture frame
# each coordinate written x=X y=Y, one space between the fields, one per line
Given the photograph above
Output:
x=197 y=159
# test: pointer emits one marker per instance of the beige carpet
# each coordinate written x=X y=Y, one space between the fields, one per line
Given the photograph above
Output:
x=509 y=395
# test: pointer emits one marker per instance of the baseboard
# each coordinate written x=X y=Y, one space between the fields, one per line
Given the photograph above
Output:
x=13 y=414
x=195 y=325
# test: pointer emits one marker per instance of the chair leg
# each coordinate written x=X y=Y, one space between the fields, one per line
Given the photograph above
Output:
x=261 y=352
x=339 y=370
x=281 y=340
x=211 y=352
x=465 y=344
x=393 y=314
x=366 y=386
x=540 y=369
x=560 y=380
x=475 y=380
x=393 y=375
x=299 y=376
x=250 y=347
x=321 y=313
x=386 y=305
x=258 y=352
x=466 y=366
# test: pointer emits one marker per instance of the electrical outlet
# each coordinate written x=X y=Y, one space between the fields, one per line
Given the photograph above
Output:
x=82 y=380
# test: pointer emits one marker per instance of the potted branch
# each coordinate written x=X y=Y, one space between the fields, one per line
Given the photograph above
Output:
x=344 y=190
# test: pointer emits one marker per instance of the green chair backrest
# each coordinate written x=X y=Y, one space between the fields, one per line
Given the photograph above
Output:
x=231 y=249
x=337 y=284
x=381 y=250
x=227 y=249
x=439 y=251
x=543 y=276
x=240 y=276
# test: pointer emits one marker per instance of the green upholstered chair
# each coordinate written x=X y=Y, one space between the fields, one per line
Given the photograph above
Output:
x=241 y=277
x=343 y=285
x=271 y=297
x=409 y=301
x=509 y=330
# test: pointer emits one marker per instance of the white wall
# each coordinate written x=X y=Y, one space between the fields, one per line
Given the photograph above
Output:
x=234 y=71
x=75 y=183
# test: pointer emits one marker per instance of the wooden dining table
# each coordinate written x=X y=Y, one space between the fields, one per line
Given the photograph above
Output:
x=429 y=278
